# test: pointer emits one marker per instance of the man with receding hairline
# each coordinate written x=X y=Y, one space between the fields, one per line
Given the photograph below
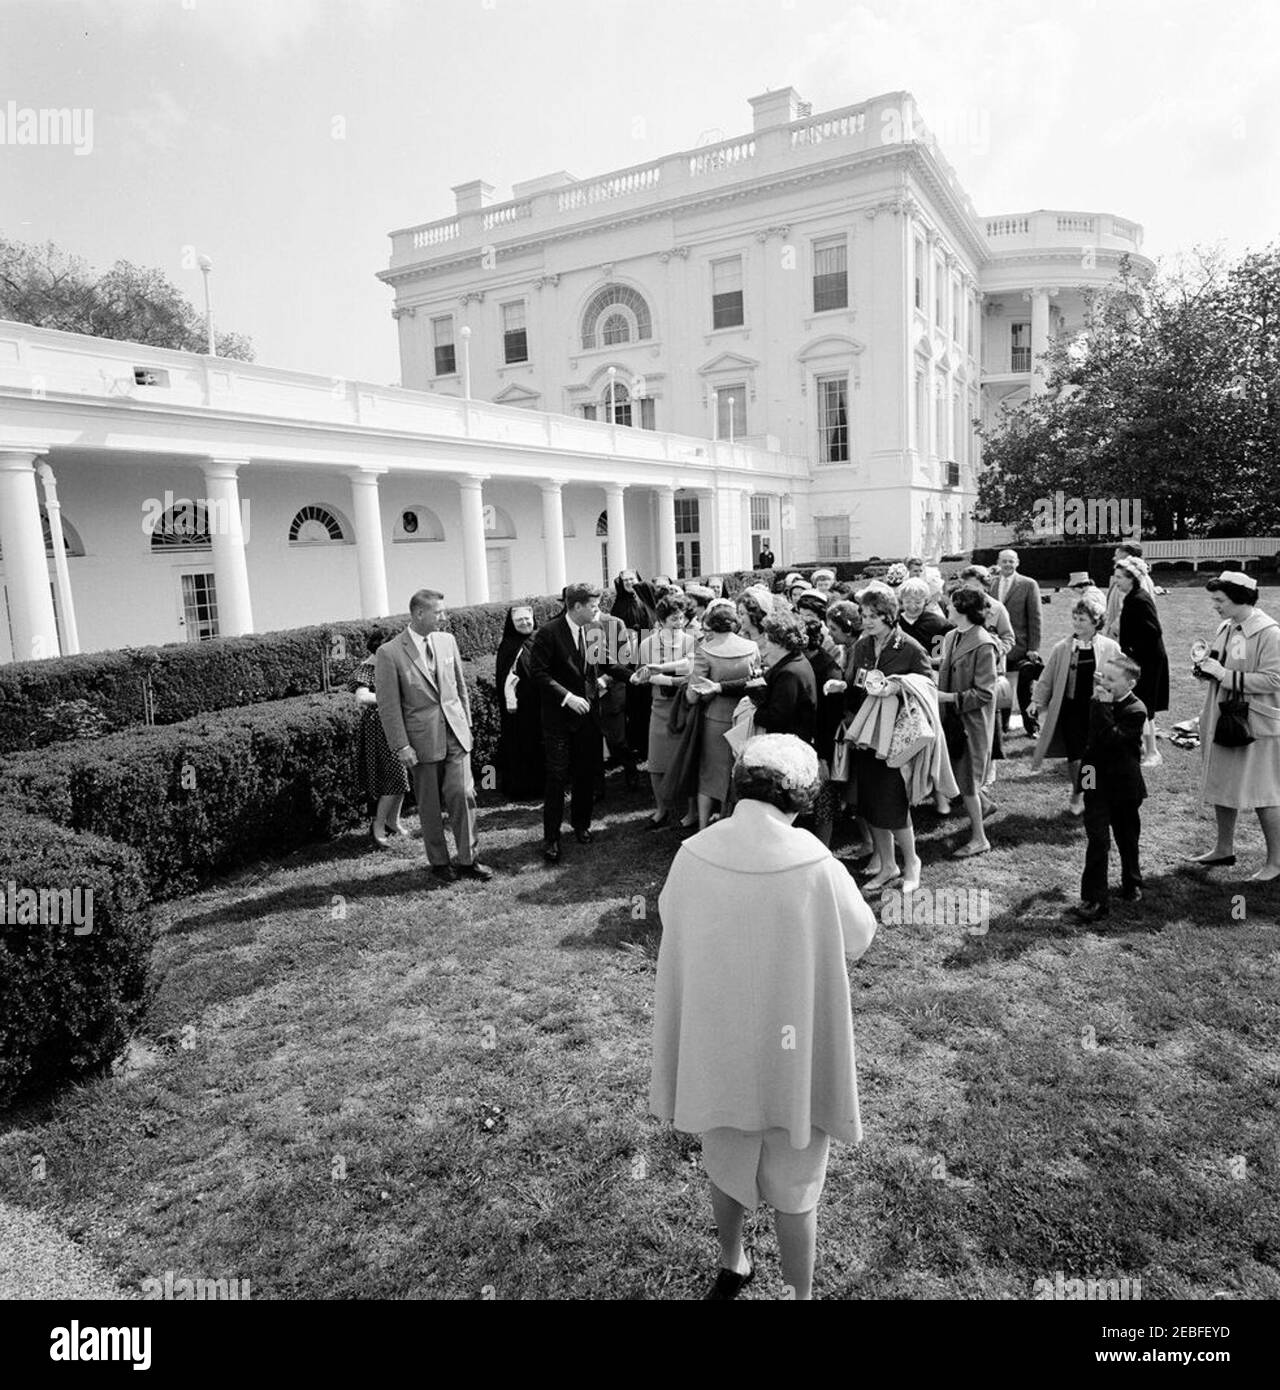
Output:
x=425 y=710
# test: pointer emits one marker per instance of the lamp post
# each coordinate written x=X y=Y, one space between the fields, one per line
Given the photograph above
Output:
x=731 y=421
x=206 y=265
x=613 y=408
x=715 y=416
x=466 y=362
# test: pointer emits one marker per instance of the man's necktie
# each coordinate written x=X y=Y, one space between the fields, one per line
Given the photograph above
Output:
x=582 y=650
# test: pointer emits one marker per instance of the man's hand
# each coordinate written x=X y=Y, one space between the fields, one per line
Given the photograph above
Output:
x=407 y=756
x=577 y=704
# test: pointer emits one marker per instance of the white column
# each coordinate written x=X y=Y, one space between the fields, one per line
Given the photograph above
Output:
x=666 y=531
x=615 y=494
x=26 y=571
x=66 y=602
x=709 y=529
x=475 y=565
x=553 y=534
x=371 y=560
x=226 y=535
x=744 y=525
x=1039 y=337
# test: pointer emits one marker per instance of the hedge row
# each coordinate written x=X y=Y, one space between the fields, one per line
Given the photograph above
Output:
x=71 y=992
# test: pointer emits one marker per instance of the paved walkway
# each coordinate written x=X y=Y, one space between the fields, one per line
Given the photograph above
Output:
x=38 y=1261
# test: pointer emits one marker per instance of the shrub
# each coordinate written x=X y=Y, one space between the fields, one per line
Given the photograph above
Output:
x=106 y=689
x=198 y=797
x=69 y=998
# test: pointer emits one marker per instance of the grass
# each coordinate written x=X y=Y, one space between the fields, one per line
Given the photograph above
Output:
x=360 y=1085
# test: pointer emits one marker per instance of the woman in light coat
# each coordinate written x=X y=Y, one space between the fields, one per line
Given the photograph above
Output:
x=752 y=1019
x=1065 y=688
x=967 y=685
x=1247 y=778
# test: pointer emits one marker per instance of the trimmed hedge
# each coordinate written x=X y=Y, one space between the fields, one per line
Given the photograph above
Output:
x=69 y=998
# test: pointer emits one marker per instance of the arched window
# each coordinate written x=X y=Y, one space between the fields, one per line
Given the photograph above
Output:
x=417 y=524
x=615 y=402
x=316 y=524
x=184 y=526
x=70 y=536
x=610 y=307
x=615 y=329
x=498 y=525
x=602 y=523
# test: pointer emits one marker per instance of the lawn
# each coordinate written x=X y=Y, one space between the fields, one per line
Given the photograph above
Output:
x=359 y=1084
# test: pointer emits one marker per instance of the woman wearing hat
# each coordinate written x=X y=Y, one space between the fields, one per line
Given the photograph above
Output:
x=1141 y=638
x=1244 y=661
x=1083 y=587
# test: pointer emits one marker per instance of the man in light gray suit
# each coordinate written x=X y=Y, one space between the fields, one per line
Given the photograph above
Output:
x=1021 y=596
x=426 y=715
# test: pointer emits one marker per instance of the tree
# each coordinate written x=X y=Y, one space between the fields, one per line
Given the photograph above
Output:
x=1168 y=396
x=48 y=287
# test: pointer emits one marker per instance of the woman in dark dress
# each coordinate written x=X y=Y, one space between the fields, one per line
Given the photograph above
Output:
x=786 y=699
x=1141 y=638
x=384 y=777
x=881 y=789
x=821 y=654
x=520 y=759
x=635 y=605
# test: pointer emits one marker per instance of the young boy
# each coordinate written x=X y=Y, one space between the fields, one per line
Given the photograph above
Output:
x=1111 y=779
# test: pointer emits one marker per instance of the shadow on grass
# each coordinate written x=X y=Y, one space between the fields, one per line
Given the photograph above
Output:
x=619 y=929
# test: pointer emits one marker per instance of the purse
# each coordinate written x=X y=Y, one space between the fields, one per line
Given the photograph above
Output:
x=911 y=732
x=1232 y=728
x=953 y=731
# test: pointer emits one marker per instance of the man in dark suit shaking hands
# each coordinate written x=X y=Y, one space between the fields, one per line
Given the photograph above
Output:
x=426 y=715
x=568 y=665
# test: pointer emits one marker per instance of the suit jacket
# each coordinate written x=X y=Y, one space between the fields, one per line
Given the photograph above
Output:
x=1001 y=629
x=1023 y=605
x=788 y=704
x=1113 y=749
x=557 y=671
x=417 y=702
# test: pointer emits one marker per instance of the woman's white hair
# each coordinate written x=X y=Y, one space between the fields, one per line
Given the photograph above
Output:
x=914 y=585
x=783 y=759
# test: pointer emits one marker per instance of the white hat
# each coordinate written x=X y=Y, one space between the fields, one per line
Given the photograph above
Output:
x=1235 y=577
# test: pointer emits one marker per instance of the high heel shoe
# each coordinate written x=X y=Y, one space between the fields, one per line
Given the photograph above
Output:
x=376 y=841
x=658 y=824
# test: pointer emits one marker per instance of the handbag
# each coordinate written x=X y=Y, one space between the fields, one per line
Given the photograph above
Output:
x=841 y=757
x=1232 y=728
x=911 y=732
x=953 y=731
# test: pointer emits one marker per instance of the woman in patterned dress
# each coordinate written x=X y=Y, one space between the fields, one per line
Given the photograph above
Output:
x=384 y=777
x=666 y=660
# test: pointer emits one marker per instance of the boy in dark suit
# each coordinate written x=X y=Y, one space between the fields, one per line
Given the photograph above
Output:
x=1111 y=779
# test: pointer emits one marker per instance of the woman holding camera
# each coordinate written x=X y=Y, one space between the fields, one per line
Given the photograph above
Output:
x=1243 y=664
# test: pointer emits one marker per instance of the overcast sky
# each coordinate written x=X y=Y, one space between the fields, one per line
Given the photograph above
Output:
x=286 y=138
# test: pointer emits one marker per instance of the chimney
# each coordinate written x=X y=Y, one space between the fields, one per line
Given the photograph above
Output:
x=473 y=196
x=776 y=108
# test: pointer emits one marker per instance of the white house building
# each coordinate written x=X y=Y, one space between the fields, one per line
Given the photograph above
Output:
x=788 y=334
x=822 y=282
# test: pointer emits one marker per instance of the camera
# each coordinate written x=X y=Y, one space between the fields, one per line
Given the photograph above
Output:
x=860 y=678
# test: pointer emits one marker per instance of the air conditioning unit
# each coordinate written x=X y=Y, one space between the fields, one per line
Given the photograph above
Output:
x=951 y=476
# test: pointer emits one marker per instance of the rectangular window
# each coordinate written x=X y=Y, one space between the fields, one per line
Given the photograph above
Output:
x=686 y=516
x=617 y=406
x=589 y=411
x=919 y=274
x=938 y=303
x=760 y=520
x=647 y=413
x=515 y=336
x=833 y=419
x=973 y=314
x=726 y=293
x=442 y=337
x=955 y=310
x=1020 y=347
x=940 y=422
x=731 y=420
x=833 y=537
x=830 y=275
x=199 y=607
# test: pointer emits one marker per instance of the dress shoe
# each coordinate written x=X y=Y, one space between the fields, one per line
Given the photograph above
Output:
x=551 y=852
x=652 y=824
x=477 y=870
x=1032 y=729
x=376 y=840
x=1132 y=895
x=1089 y=912
x=444 y=871
x=729 y=1284
x=583 y=837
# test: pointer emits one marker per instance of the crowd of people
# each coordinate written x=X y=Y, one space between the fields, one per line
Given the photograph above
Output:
x=762 y=719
